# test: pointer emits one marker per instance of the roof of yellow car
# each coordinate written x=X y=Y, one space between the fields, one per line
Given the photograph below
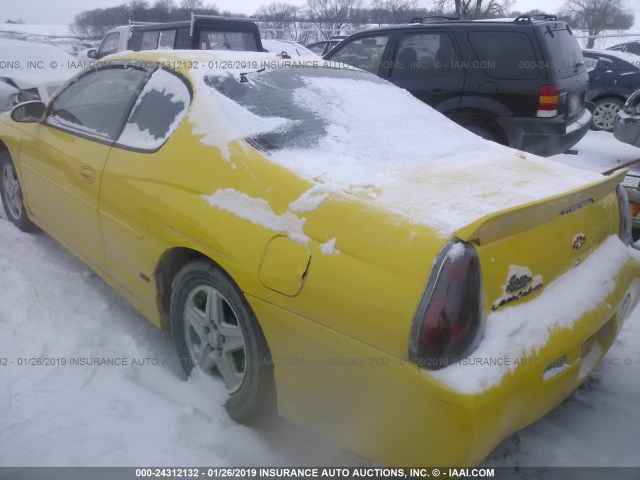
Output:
x=186 y=60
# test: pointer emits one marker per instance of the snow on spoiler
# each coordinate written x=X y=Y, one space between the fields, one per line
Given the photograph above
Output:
x=529 y=215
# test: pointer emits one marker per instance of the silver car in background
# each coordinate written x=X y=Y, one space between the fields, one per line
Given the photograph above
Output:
x=32 y=71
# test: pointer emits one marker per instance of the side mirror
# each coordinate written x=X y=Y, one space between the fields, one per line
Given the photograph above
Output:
x=28 y=112
x=93 y=53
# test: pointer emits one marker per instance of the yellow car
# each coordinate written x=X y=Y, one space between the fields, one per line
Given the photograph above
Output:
x=329 y=246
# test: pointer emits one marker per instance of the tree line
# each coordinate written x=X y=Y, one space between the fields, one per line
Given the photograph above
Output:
x=322 y=18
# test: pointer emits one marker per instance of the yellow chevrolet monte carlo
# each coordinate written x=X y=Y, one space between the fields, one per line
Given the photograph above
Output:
x=329 y=246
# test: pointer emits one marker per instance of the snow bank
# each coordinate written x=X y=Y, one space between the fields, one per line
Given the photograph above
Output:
x=44 y=30
x=138 y=413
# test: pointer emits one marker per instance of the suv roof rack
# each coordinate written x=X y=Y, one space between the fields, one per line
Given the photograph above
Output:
x=133 y=23
x=432 y=18
x=542 y=17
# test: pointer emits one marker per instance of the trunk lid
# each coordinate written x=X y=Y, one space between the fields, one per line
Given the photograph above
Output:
x=524 y=248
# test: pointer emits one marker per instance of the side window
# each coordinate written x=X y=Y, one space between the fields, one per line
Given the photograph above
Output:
x=605 y=65
x=238 y=41
x=110 y=44
x=167 y=39
x=365 y=53
x=426 y=55
x=97 y=103
x=157 y=113
x=150 y=40
x=505 y=55
x=590 y=63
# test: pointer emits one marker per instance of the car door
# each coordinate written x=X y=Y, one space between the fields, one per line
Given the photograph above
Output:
x=63 y=157
x=134 y=181
x=428 y=65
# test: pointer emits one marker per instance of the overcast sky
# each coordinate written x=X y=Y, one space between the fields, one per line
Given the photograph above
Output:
x=62 y=12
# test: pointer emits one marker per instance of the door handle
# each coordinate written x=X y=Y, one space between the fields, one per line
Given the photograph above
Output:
x=88 y=174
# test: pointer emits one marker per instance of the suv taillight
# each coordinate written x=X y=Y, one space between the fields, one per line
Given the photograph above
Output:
x=449 y=323
x=548 y=101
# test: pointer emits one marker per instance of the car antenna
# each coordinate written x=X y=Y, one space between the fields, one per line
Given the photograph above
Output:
x=243 y=75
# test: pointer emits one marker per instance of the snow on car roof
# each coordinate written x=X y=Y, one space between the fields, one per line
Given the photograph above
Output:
x=31 y=63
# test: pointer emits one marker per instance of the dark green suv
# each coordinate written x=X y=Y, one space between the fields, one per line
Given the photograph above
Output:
x=518 y=82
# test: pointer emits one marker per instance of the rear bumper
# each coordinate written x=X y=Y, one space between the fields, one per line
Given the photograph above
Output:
x=544 y=136
x=389 y=410
x=627 y=128
x=537 y=388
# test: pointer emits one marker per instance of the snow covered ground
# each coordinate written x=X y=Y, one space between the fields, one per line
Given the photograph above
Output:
x=52 y=306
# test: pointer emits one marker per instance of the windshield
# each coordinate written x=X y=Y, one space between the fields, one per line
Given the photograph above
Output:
x=284 y=93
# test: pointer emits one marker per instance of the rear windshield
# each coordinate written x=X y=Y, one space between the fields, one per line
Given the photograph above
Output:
x=281 y=93
x=562 y=51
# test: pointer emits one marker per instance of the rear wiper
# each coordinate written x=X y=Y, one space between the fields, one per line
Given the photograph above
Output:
x=243 y=75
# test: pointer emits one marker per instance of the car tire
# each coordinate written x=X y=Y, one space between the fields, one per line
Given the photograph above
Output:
x=215 y=330
x=11 y=193
x=604 y=113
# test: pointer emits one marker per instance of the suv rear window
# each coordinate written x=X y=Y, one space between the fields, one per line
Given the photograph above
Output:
x=238 y=41
x=505 y=55
x=562 y=51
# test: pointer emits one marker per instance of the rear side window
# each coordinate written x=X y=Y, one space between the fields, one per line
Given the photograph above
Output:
x=364 y=53
x=563 y=51
x=150 y=40
x=167 y=39
x=505 y=55
x=157 y=112
x=237 y=41
x=425 y=56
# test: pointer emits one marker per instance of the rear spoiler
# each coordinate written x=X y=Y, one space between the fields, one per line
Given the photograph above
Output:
x=524 y=217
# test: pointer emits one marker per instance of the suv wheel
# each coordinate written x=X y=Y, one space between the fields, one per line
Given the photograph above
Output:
x=604 y=113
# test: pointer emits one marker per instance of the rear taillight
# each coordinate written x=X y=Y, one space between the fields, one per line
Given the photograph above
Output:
x=448 y=324
x=548 y=101
x=625 y=215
